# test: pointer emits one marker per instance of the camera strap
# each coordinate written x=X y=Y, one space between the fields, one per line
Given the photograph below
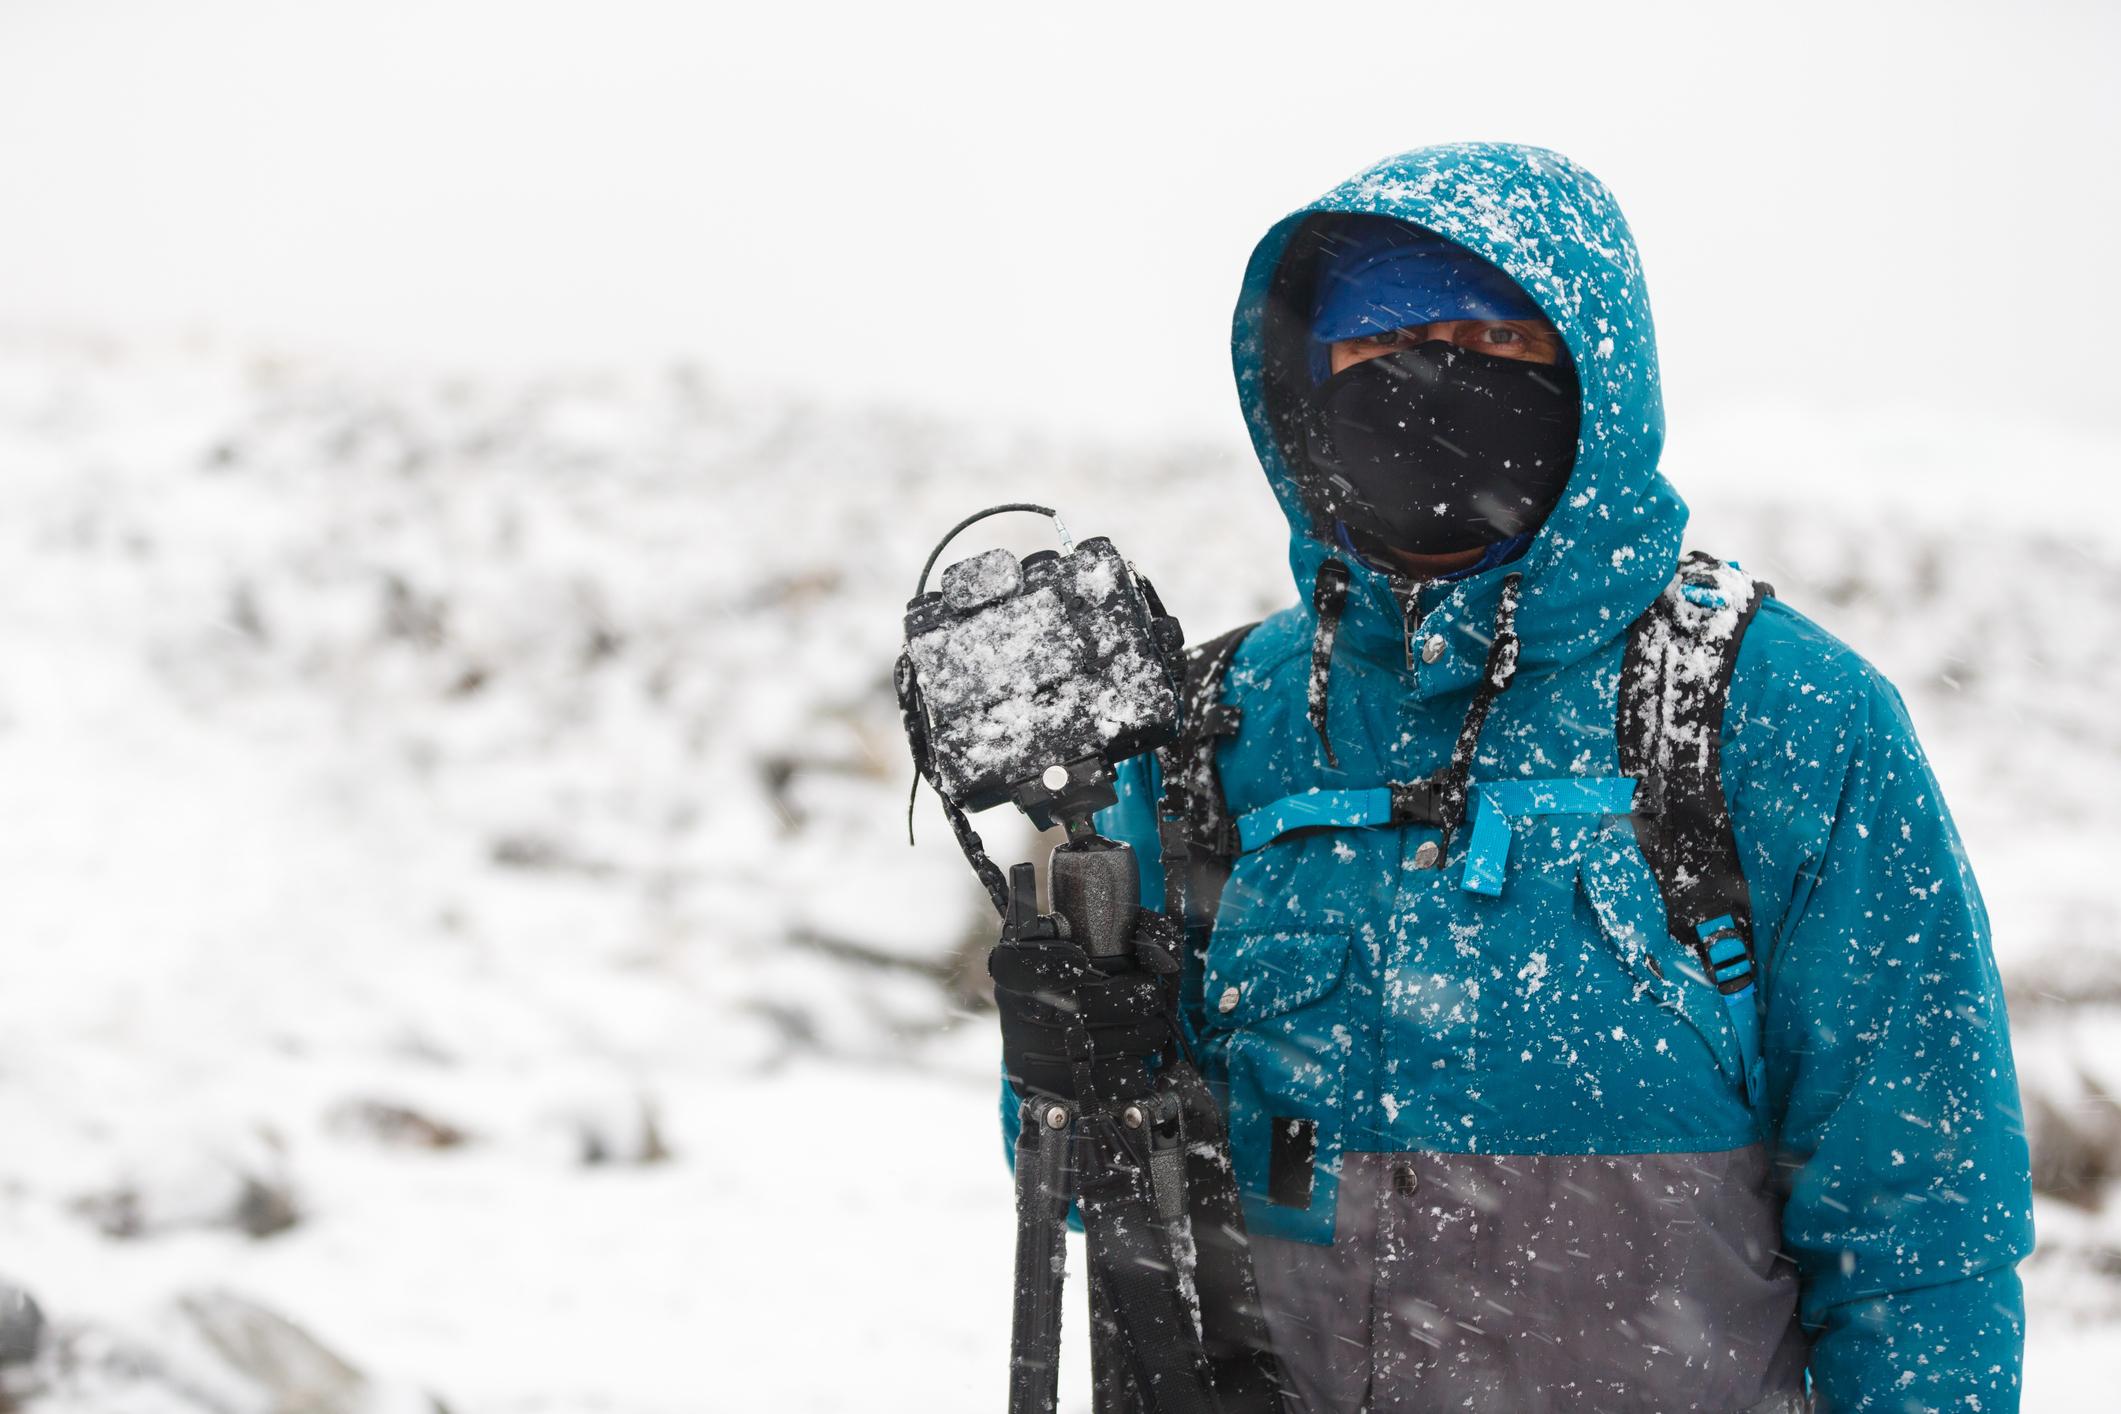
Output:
x=968 y=840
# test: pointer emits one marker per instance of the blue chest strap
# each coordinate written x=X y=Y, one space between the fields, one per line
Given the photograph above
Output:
x=1495 y=802
x=1730 y=966
x=1401 y=803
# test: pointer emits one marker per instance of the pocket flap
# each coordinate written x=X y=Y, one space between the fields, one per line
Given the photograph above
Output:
x=1630 y=909
x=1630 y=906
x=1257 y=974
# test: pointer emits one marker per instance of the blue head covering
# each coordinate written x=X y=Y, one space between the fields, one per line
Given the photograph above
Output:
x=1376 y=273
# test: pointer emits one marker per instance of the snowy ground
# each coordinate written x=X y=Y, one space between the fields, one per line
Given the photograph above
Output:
x=519 y=757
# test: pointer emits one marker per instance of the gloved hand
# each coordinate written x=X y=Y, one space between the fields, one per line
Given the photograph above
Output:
x=1057 y=1008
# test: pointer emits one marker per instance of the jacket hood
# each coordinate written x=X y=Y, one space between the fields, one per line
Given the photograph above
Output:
x=1613 y=540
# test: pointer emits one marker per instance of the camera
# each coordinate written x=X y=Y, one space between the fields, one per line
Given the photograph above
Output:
x=1036 y=676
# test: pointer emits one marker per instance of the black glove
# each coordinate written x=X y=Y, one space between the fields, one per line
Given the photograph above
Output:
x=1058 y=1009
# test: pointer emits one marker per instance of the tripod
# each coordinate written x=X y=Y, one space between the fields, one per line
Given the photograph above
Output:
x=1139 y=1149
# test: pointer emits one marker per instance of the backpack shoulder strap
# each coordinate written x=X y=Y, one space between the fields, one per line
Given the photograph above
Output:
x=1675 y=682
x=1197 y=836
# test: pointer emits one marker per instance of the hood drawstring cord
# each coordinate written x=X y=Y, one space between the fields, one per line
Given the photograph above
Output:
x=1329 y=597
x=1495 y=675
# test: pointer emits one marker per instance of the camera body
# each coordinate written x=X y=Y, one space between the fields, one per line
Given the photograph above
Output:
x=1038 y=675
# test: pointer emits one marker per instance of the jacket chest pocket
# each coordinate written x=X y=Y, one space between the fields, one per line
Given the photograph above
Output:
x=1280 y=1036
x=1629 y=907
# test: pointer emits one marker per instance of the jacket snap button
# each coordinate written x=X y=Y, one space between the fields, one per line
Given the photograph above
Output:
x=1227 y=1002
x=1405 y=1180
x=1425 y=854
x=1432 y=648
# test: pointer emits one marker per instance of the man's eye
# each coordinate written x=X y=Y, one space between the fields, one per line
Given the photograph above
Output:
x=1504 y=336
x=1383 y=340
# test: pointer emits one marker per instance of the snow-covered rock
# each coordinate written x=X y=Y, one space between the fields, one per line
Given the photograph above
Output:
x=205 y=1352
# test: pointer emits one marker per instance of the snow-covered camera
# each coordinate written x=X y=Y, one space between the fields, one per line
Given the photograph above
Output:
x=1037 y=676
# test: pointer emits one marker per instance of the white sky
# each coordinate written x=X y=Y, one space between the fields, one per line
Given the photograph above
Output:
x=1042 y=213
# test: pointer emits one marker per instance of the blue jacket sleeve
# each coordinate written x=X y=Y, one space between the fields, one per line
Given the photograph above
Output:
x=1890 y=1080
x=1931 y=1348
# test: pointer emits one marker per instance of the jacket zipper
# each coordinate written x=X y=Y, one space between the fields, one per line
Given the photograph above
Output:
x=1408 y=593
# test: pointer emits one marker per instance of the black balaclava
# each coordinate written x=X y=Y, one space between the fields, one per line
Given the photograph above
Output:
x=1435 y=448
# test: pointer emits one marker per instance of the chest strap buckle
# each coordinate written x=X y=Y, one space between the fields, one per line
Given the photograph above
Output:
x=1418 y=802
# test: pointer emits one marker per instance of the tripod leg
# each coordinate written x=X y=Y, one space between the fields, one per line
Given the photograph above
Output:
x=1042 y=1195
x=1132 y=1267
x=1240 y=1351
x=1112 y=1386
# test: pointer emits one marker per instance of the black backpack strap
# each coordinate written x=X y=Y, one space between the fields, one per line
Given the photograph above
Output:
x=1675 y=681
x=1194 y=828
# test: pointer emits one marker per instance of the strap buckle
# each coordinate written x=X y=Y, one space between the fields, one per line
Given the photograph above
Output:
x=1422 y=802
x=1724 y=953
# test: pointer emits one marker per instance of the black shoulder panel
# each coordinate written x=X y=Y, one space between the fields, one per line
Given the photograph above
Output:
x=1674 y=683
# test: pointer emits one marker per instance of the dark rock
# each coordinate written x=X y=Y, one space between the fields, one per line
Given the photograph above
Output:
x=397 y=1125
x=265 y=1207
x=620 y=1132
x=543 y=854
x=2076 y=1147
x=21 y=1325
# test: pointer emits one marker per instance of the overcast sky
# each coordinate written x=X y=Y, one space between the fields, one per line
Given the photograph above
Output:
x=1042 y=213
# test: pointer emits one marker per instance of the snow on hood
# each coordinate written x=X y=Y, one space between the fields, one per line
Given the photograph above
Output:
x=1612 y=541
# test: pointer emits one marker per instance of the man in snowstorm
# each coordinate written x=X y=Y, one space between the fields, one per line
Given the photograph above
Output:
x=1598 y=991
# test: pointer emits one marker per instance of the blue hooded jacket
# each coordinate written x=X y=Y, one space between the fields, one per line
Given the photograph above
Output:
x=1536 y=1179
